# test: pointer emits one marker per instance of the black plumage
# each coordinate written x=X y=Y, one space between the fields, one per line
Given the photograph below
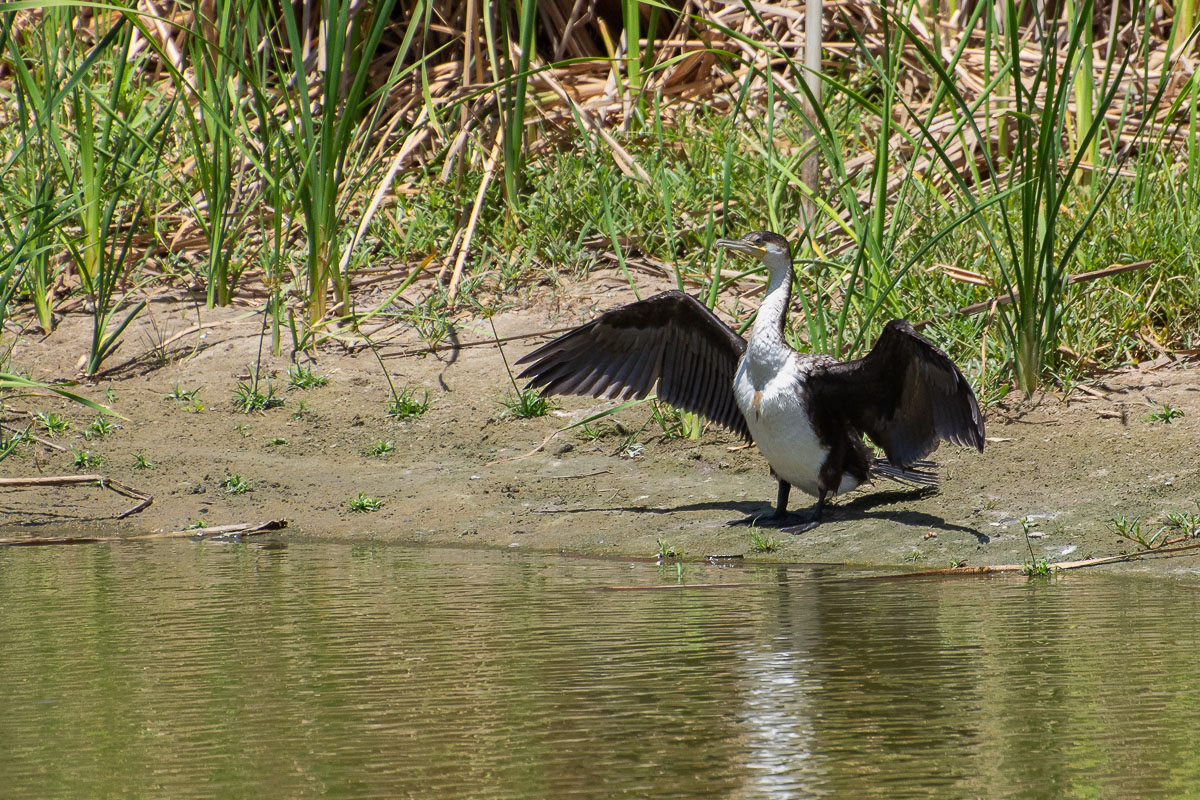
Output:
x=670 y=339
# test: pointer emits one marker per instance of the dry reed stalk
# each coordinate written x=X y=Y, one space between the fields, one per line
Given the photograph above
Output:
x=489 y=172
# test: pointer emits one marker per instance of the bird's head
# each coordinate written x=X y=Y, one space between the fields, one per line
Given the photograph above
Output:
x=770 y=248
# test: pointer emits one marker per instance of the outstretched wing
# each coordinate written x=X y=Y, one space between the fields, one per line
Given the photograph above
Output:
x=670 y=339
x=905 y=394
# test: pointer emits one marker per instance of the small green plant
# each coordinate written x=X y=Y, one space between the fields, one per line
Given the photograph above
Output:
x=591 y=433
x=528 y=403
x=668 y=551
x=278 y=441
x=1034 y=566
x=52 y=422
x=235 y=484
x=957 y=563
x=244 y=430
x=1186 y=521
x=247 y=398
x=85 y=460
x=1165 y=413
x=197 y=525
x=301 y=409
x=1037 y=568
x=913 y=557
x=303 y=378
x=1131 y=529
x=196 y=406
x=763 y=543
x=110 y=395
x=140 y=461
x=98 y=428
x=180 y=395
x=363 y=504
x=430 y=320
x=405 y=405
x=380 y=448
x=670 y=420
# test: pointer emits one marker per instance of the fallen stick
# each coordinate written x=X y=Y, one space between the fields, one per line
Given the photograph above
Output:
x=1060 y=566
x=34 y=437
x=71 y=480
x=537 y=449
x=240 y=529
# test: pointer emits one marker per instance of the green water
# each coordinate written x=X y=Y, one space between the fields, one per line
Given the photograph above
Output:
x=181 y=670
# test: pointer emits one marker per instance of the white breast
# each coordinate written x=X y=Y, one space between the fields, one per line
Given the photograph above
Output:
x=771 y=396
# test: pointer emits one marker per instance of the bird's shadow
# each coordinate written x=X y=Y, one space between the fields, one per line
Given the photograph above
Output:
x=864 y=507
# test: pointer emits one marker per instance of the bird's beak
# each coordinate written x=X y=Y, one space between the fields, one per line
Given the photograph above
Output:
x=741 y=246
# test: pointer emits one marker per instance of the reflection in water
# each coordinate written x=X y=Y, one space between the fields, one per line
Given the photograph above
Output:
x=196 y=670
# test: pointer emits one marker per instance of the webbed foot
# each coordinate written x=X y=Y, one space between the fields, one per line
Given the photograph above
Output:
x=803 y=527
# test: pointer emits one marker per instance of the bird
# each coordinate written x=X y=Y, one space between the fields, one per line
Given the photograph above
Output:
x=807 y=412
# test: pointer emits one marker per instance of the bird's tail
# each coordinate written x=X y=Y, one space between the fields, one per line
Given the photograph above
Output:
x=919 y=473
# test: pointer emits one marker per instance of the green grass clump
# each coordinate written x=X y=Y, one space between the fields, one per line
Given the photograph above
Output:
x=1165 y=413
x=405 y=405
x=303 y=378
x=379 y=448
x=666 y=550
x=1186 y=521
x=528 y=403
x=84 y=459
x=98 y=428
x=762 y=542
x=247 y=398
x=235 y=484
x=52 y=423
x=181 y=395
x=1037 y=568
x=364 y=504
x=141 y=462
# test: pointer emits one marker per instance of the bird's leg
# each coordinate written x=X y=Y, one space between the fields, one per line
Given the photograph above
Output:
x=775 y=519
x=781 y=500
x=813 y=521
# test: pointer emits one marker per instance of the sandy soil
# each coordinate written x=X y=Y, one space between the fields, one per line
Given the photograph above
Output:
x=457 y=475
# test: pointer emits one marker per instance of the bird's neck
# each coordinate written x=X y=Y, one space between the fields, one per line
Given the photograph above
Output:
x=768 y=326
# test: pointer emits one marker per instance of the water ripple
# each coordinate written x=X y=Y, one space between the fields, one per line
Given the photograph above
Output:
x=205 y=670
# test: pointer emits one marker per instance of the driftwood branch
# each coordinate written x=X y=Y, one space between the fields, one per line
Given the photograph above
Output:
x=1059 y=566
x=241 y=529
x=72 y=480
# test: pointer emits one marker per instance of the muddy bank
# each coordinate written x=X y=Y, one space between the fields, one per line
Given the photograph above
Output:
x=456 y=475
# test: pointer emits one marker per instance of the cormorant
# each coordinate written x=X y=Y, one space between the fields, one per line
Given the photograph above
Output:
x=806 y=412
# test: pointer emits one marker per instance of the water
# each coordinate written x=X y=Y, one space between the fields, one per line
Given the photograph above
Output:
x=181 y=670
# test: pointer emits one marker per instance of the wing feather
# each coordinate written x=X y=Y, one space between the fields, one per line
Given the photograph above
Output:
x=906 y=395
x=670 y=339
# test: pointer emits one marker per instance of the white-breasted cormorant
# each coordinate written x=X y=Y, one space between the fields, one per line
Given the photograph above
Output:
x=807 y=413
